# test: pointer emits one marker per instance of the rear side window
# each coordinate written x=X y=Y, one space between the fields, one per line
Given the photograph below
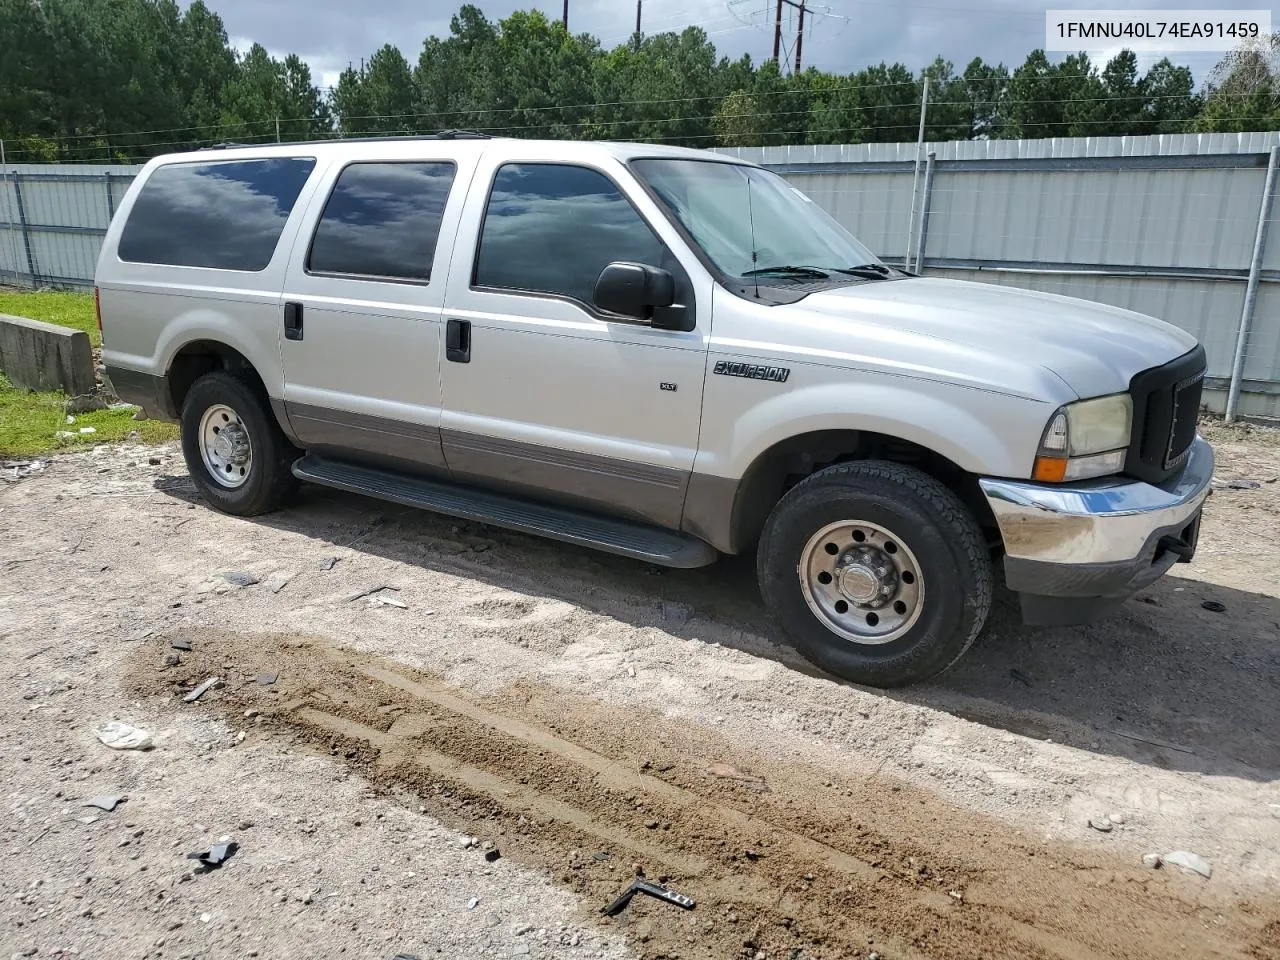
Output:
x=551 y=228
x=222 y=215
x=382 y=221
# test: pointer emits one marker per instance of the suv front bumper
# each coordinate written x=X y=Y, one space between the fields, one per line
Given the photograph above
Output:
x=1075 y=552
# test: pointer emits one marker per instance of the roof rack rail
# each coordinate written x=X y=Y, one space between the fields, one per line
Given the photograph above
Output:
x=449 y=134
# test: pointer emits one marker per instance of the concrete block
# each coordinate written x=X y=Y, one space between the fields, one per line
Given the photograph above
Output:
x=44 y=356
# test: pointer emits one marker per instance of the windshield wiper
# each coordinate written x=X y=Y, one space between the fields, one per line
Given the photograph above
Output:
x=809 y=273
x=872 y=271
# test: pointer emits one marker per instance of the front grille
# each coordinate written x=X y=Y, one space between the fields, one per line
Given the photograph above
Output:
x=1166 y=405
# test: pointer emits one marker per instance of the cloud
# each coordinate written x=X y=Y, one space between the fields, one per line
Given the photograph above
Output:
x=841 y=35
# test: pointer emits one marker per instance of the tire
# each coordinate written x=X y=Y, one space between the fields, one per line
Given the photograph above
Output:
x=918 y=542
x=243 y=487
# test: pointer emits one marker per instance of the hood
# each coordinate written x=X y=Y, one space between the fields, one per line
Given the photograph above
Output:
x=1094 y=348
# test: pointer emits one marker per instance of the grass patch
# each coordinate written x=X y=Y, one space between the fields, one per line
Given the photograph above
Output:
x=65 y=309
x=30 y=422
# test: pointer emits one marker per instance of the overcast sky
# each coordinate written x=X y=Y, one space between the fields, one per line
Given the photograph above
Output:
x=855 y=33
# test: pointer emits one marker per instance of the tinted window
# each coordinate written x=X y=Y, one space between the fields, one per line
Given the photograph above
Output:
x=382 y=220
x=552 y=228
x=226 y=215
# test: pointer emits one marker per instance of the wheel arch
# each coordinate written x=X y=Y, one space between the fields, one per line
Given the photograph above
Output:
x=198 y=357
x=730 y=514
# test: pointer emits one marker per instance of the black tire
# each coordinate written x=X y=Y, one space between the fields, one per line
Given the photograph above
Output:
x=930 y=520
x=269 y=479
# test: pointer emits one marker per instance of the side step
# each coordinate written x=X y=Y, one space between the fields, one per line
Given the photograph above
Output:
x=666 y=548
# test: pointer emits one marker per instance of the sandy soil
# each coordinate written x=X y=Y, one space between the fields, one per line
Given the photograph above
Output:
x=587 y=716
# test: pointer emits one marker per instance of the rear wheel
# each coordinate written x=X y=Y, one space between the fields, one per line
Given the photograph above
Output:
x=876 y=571
x=236 y=453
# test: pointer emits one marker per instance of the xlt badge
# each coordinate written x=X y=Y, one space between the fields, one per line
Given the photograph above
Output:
x=752 y=371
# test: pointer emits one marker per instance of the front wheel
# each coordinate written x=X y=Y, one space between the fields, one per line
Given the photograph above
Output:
x=876 y=571
x=236 y=453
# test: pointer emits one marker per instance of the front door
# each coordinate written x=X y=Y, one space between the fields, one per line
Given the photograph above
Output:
x=544 y=393
x=361 y=325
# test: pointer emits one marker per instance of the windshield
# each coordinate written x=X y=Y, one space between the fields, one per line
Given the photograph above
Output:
x=724 y=205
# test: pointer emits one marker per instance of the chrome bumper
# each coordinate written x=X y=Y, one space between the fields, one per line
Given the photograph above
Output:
x=1097 y=522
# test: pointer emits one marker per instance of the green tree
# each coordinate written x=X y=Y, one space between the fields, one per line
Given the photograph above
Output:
x=457 y=80
x=379 y=98
x=738 y=121
x=1169 y=100
x=1052 y=100
x=1243 y=90
x=267 y=98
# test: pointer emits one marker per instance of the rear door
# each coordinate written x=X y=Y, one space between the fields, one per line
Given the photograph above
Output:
x=361 y=325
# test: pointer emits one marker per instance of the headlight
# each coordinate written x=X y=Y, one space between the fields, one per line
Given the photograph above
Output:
x=1085 y=439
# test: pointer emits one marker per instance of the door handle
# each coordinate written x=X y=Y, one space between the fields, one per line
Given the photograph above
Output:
x=292 y=321
x=457 y=341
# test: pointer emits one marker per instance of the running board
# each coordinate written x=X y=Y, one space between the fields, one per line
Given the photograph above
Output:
x=666 y=548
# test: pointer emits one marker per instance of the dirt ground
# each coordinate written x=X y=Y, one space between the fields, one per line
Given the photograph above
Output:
x=590 y=718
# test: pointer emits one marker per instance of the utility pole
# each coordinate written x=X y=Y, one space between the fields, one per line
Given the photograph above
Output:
x=565 y=20
x=777 y=34
x=777 y=31
x=639 y=7
x=800 y=37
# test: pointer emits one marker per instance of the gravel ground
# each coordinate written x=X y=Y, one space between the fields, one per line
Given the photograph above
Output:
x=553 y=703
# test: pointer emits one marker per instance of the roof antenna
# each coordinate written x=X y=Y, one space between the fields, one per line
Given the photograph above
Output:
x=751 y=221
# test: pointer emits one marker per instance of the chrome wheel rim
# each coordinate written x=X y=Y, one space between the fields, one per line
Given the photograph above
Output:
x=862 y=581
x=225 y=447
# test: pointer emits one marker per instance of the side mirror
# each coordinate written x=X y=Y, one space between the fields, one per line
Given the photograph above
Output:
x=634 y=289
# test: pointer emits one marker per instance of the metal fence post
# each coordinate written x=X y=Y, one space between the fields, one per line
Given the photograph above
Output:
x=111 y=200
x=922 y=229
x=22 y=220
x=915 y=179
x=1251 y=291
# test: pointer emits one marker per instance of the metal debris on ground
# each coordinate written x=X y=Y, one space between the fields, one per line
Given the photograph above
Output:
x=105 y=802
x=180 y=643
x=201 y=690
x=123 y=736
x=1243 y=485
x=11 y=471
x=601 y=855
x=493 y=855
x=216 y=855
x=665 y=894
x=370 y=592
x=238 y=578
x=381 y=601
x=1214 y=606
x=727 y=771
x=1191 y=862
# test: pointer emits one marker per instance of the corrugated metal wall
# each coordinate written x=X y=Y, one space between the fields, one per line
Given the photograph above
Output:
x=52 y=220
x=1164 y=225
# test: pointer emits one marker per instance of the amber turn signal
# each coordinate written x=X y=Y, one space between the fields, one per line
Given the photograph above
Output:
x=1050 y=469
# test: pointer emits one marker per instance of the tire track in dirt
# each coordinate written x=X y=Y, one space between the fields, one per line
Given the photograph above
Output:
x=782 y=856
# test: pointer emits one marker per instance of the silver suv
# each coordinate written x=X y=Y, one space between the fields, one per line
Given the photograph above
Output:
x=665 y=354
